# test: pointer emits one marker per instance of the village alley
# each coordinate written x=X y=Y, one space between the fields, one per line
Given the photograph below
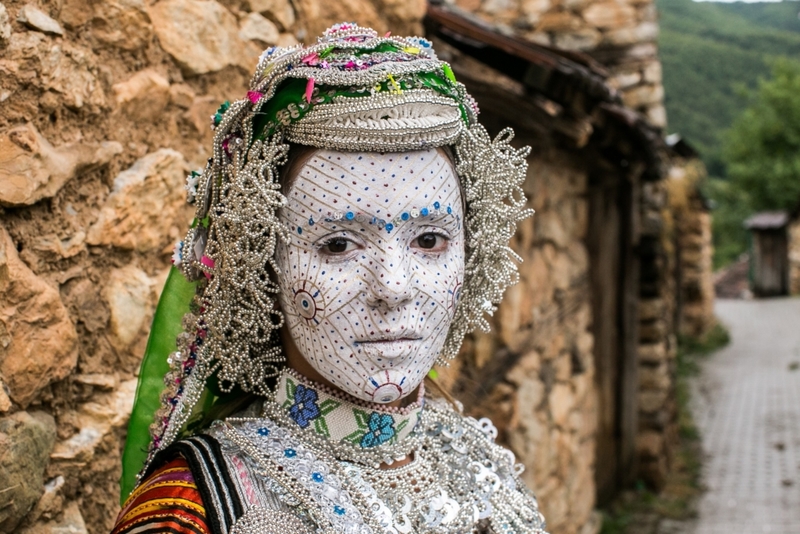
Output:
x=746 y=404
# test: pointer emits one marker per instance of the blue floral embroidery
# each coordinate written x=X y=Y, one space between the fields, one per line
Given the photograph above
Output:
x=338 y=510
x=305 y=408
x=381 y=430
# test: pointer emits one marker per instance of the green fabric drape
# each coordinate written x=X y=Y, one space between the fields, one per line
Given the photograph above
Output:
x=175 y=301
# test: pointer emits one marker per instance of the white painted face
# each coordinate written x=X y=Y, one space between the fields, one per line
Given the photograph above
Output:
x=371 y=277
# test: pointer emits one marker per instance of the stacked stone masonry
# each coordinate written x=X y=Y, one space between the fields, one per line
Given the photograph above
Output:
x=793 y=242
x=620 y=34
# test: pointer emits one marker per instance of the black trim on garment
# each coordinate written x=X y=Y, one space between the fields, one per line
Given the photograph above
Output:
x=220 y=497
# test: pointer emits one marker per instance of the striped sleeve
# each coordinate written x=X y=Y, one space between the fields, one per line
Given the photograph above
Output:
x=167 y=501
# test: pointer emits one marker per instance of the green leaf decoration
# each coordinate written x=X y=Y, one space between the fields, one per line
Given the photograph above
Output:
x=328 y=405
x=291 y=387
x=361 y=419
x=321 y=426
x=355 y=438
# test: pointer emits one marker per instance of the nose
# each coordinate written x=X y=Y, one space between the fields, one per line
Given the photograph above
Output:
x=391 y=284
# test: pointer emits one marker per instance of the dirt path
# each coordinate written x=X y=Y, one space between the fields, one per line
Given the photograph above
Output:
x=746 y=404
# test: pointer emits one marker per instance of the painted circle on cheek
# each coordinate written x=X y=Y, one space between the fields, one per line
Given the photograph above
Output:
x=308 y=301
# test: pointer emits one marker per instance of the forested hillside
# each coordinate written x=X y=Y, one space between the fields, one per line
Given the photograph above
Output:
x=708 y=50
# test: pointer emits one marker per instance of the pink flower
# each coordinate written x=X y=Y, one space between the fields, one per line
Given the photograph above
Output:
x=254 y=96
x=311 y=59
x=309 y=89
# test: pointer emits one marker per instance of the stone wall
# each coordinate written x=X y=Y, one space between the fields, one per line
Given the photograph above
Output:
x=793 y=237
x=658 y=343
x=105 y=107
x=691 y=238
x=620 y=34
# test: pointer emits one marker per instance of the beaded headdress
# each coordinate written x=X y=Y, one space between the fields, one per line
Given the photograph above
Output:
x=351 y=91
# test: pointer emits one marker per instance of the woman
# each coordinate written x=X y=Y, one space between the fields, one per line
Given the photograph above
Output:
x=352 y=226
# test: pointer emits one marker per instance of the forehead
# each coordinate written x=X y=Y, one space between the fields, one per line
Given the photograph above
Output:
x=382 y=182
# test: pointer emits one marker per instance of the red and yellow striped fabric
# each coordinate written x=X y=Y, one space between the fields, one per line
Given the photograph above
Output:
x=167 y=501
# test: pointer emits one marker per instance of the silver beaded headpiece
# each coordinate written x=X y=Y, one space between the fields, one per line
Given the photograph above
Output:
x=351 y=91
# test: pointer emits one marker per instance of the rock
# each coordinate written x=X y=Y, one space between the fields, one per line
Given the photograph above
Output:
x=32 y=169
x=5 y=402
x=201 y=35
x=36 y=19
x=75 y=13
x=318 y=15
x=124 y=24
x=38 y=342
x=278 y=11
x=646 y=31
x=5 y=27
x=144 y=96
x=534 y=9
x=405 y=12
x=255 y=27
x=50 y=503
x=101 y=381
x=71 y=522
x=558 y=21
x=654 y=377
x=584 y=39
x=26 y=440
x=657 y=115
x=64 y=67
x=643 y=95
x=650 y=309
x=181 y=95
x=561 y=402
x=145 y=201
x=286 y=40
x=62 y=248
x=650 y=444
x=623 y=80
x=128 y=297
x=652 y=401
x=609 y=15
x=96 y=420
x=652 y=353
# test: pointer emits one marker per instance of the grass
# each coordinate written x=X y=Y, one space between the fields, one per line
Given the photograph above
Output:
x=639 y=511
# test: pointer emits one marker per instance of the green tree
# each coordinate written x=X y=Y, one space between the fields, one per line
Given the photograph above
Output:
x=762 y=148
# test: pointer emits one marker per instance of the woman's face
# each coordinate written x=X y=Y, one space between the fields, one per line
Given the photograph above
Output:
x=370 y=279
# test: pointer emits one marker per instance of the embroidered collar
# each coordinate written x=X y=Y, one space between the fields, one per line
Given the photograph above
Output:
x=342 y=418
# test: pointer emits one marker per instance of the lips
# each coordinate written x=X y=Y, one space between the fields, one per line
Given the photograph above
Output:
x=390 y=337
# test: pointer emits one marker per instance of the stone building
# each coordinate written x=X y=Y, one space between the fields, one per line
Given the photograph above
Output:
x=105 y=109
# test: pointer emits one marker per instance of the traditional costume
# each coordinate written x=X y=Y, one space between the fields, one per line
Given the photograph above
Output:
x=378 y=257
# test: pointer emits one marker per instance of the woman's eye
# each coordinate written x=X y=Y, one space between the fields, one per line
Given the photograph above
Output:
x=338 y=245
x=431 y=241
